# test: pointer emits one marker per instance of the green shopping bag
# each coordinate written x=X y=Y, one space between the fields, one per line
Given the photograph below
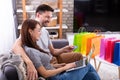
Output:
x=78 y=38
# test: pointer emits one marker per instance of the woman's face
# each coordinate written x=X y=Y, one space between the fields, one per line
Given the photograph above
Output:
x=35 y=34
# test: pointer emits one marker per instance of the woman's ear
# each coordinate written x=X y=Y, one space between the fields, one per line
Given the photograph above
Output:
x=30 y=31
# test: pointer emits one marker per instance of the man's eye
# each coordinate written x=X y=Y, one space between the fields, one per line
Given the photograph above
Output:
x=48 y=17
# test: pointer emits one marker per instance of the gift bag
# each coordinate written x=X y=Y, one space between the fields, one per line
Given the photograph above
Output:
x=85 y=42
x=103 y=46
x=109 y=50
x=96 y=41
x=116 y=57
x=78 y=39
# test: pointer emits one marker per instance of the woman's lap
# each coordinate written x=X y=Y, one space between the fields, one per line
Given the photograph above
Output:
x=80 y=74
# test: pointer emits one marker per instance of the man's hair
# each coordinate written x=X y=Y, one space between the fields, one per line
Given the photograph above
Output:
x=43 y=7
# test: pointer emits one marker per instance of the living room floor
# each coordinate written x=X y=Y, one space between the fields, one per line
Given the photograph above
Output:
x=107 y=71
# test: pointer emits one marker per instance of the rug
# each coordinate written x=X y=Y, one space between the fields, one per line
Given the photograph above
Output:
x=107 y=71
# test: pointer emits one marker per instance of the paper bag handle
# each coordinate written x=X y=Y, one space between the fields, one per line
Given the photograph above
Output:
x=81 y=29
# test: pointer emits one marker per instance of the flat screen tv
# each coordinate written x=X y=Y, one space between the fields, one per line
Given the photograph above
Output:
x=103 y=14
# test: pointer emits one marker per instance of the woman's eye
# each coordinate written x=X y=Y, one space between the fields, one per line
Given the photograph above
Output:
x=39 y=30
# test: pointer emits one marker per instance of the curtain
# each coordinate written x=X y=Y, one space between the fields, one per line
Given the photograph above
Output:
x=7 y=26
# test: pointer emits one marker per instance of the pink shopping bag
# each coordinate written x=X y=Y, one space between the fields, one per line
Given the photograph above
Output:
x=103 y=46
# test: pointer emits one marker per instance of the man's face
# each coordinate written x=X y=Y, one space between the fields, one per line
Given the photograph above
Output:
x=44 y=18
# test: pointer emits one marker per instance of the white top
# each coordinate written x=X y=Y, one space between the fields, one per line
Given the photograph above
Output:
x=44 y=40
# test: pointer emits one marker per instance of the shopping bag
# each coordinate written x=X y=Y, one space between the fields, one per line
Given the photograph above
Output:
x=78 y=39
x=85 y=42
x=103 y=46
x=116 y=57
x=96 y=41
x=109 y=50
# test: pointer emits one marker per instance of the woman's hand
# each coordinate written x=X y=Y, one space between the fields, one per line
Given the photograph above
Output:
x=58 y=65
x=31 y=72
x=69 y=66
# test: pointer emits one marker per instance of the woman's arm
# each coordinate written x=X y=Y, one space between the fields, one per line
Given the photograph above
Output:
x=31 y=71
x=48 y=73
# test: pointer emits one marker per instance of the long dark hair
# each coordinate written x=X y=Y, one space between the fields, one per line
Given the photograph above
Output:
x=25 y=35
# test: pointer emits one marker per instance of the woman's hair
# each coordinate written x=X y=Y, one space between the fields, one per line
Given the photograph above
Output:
x=43 y=7
x=25 y=35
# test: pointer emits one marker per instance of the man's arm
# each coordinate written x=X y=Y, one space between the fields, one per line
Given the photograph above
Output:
x=56 y=52
x=17 y=49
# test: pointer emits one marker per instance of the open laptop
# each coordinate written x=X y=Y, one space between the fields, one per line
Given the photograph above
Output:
x=82 y=63
x=79 y=64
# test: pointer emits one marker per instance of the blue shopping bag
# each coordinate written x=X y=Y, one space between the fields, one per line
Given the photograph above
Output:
x=116 y=57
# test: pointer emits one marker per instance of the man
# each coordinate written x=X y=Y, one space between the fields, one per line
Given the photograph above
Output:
x=44 y=15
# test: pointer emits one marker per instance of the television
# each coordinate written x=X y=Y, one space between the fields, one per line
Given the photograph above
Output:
x=101 y=14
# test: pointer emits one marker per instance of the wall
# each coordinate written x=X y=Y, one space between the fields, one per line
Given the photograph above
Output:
x=67 y=17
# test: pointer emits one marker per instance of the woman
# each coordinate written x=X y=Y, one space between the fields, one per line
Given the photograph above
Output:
x=30 y=33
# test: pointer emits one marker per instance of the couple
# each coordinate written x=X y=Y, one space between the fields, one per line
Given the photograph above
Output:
x=36 y=49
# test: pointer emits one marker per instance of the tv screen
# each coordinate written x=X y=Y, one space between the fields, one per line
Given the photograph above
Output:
x=102 y=14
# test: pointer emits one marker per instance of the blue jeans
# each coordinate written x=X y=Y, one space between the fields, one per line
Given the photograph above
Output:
x=86 y=73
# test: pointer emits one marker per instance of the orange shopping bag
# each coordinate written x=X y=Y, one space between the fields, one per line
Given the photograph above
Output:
x=96 y=42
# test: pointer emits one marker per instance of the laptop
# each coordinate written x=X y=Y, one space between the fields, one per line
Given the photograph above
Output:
x=82 y=63
x=79 y=64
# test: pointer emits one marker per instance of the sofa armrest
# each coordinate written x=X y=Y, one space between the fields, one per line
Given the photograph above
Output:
x=2 y=76
x=59 y=43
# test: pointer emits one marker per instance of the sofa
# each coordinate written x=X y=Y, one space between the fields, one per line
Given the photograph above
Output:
x=10 y=73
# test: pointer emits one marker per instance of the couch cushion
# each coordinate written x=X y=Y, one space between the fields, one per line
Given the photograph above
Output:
x=59 y=43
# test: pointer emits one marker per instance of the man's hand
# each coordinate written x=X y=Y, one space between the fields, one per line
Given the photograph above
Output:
x=68 y=48
x=31 y=72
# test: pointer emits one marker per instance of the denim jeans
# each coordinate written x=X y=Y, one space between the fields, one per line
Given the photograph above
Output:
x=86 y=73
